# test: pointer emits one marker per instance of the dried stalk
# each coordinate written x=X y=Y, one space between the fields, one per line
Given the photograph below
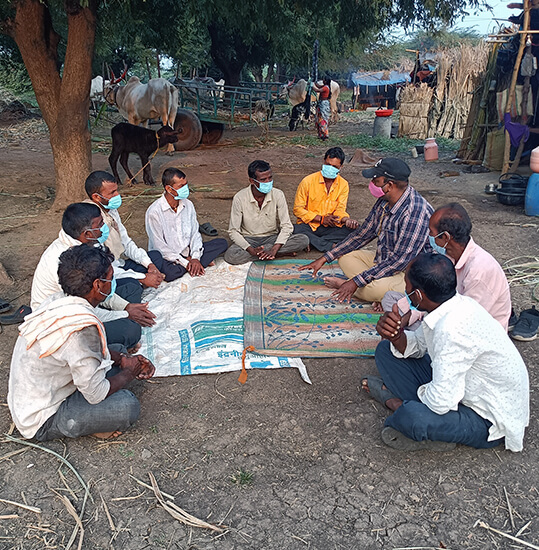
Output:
x=177 y=513
x=506 y=535
x=59 y=457
x=72 y=512
x=510 y=509
x=24 y=506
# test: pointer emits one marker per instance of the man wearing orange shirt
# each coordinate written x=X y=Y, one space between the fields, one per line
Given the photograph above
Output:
x=320 y=204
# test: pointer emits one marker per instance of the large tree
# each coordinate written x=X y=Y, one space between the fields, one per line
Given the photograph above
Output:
x=57 y=38
x=63 y=97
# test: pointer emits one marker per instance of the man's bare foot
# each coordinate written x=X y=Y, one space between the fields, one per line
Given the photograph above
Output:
x=334 y=282
x=392 y=403
x=211 y=264
x=107 y=435
x=377 y=306
x=134 y=349
x=289 y=255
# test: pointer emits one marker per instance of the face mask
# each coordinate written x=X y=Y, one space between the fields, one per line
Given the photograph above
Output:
x=376 y=191
x=264 y=186
x=437 y=248
x=412 y=307
x=112 y=288
x=114 y=202
x=181 y=193
x=105 y=231
x=329 y=172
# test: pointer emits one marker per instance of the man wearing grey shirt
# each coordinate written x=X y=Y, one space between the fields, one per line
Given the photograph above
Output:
x=260 y=226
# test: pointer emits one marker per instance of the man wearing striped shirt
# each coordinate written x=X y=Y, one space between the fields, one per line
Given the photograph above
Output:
x=399 y=220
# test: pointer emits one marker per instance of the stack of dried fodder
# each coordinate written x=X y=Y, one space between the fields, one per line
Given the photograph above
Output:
x=460 y=72
x=415 y=102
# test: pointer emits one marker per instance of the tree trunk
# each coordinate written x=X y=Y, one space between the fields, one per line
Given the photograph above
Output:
x=64 y=102
x=230 y=59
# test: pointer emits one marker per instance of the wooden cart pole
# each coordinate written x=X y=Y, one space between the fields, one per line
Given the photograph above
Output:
x=516 y=68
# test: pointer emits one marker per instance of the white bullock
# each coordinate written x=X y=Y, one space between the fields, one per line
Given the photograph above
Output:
x=139 y=102
x=296 y=92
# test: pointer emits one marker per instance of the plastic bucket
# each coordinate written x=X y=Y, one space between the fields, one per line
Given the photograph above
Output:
x=531 y=202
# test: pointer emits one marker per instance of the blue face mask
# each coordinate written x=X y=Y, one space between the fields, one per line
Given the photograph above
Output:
x=181 y=193
x=105 y=231
x=412 y=307
x=437 y=248
x=112 y=287
x=330 y=172
x=114 y=202
x=264 y=186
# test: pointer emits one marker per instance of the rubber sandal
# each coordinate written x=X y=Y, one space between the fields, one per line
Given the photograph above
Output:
x=208 y=229
x=4 y=306
x=376 y=391
x=397 y=440
x=16 y=317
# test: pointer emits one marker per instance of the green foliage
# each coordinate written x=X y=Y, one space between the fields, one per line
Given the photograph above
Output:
x=13 y=74
x=242 y=478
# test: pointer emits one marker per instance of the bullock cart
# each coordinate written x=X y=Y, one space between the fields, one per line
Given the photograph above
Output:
x=205 y=108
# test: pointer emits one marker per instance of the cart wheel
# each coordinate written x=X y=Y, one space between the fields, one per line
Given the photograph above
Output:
x=212 y=132
x=191 y=130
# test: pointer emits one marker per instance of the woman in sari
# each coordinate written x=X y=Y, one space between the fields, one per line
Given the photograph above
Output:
x=323 y=109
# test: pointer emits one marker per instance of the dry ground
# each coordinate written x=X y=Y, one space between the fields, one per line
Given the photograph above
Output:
x=280 y=463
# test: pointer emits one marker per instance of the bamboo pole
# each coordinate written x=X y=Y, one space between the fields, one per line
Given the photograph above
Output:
x=516 y=68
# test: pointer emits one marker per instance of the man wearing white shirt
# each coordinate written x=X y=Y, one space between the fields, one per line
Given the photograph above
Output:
x=63 y=380
x=457 y=379
x=172 y=227
x=122 y=314
x=130 y=261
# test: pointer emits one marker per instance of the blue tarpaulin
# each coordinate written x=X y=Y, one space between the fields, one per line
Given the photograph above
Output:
x=375 y=79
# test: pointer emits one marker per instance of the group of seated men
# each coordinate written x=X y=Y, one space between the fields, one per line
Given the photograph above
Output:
x=447 y=367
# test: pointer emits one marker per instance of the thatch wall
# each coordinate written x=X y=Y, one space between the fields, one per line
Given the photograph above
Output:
x=460 y=72
x=415 y=103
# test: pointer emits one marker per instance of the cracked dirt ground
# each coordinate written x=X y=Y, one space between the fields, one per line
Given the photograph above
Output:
x=281 y=464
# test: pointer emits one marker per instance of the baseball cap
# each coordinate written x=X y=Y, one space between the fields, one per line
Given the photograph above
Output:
x=391 y=168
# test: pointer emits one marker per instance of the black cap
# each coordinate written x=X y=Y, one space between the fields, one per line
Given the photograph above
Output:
x=391 y=168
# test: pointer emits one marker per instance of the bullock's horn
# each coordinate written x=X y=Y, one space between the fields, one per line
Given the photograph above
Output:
x=124 y=73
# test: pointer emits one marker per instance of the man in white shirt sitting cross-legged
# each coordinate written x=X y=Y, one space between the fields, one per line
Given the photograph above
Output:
x=457 y=379
x=63 y=381
x=172 y=227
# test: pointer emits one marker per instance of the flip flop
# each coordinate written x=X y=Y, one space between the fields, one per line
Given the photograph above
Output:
x=4 y=306
x=376 y=391
x=16 y=317
x=397 y=440
x=208 y=229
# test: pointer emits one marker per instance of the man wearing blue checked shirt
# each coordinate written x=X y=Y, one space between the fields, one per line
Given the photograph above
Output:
x=399 y=220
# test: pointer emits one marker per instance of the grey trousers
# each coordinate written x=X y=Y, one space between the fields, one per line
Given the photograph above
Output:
x=235 y=255
x=76 y=417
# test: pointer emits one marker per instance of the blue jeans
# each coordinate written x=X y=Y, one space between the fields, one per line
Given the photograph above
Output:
x=125 y=331
x=76 y=417
x=413 y=418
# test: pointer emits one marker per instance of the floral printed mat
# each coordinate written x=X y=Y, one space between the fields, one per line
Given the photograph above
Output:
x=287 y=312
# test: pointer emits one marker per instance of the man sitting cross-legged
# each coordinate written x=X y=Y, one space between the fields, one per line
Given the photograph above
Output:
x=399 y=220
x=320 y=204
x=63 y=381
x=172 y=227
x=457 y=379
x=479 y=275
x=260 y=226
x=122 y=314
x=130 y=261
